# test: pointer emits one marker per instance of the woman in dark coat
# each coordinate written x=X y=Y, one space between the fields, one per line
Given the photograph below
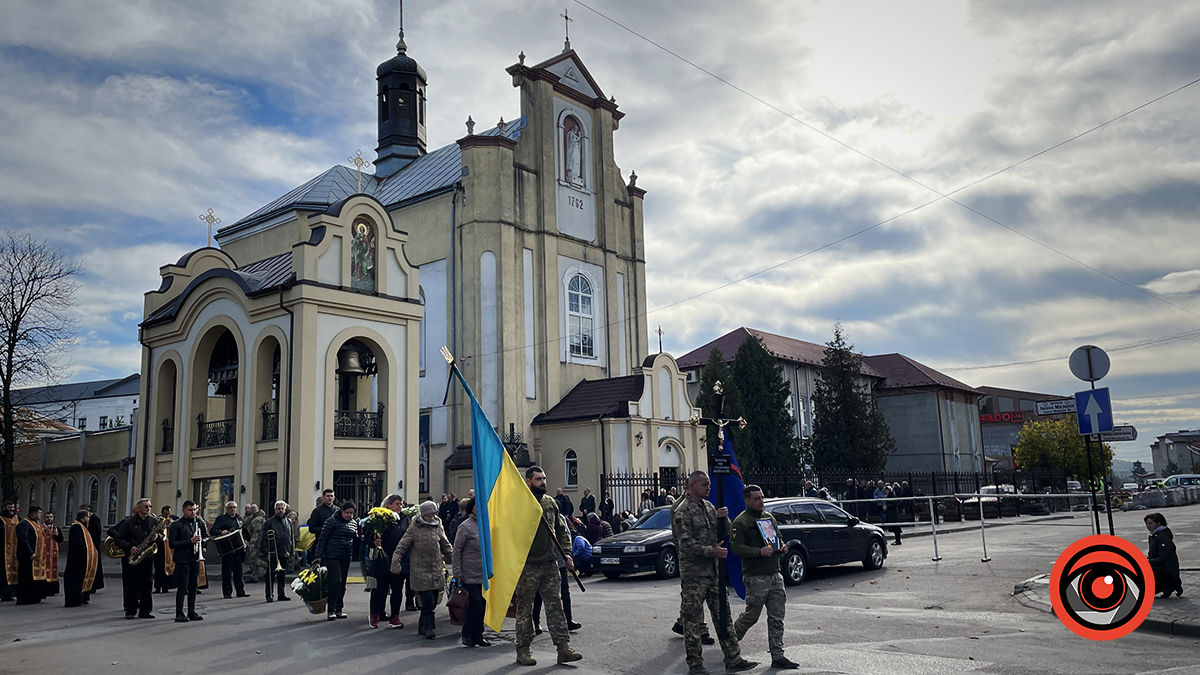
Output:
x=335 y=549
x=890 y=513
x=1162 y=557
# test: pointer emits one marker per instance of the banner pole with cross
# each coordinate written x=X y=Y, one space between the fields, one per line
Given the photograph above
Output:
x=719 y=466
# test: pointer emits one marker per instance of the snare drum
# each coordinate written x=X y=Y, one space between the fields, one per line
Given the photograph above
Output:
x=229 y=543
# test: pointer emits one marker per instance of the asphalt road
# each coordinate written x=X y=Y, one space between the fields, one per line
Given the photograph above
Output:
x=913 y=616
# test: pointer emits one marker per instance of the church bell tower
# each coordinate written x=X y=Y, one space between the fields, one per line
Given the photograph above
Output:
x=401 y=93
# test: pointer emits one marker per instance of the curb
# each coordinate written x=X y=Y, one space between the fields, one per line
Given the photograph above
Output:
x=1025 y=594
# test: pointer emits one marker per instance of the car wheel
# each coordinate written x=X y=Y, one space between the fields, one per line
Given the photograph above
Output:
x=795 y=568
x=667 y=565
x=612 y=575
x=874 y=559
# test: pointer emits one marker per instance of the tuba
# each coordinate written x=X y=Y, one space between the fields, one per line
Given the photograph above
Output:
x=147 y=547
x=111 y=549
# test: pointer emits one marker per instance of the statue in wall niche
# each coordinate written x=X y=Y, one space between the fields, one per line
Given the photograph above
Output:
x=574 y=145
x=362 y=257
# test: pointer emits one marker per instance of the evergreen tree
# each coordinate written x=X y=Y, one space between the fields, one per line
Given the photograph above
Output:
x=768 y=442
x=849 y=431
x=717 y=370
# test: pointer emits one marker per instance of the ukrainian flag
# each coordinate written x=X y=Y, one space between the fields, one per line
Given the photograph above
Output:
x=500 y=491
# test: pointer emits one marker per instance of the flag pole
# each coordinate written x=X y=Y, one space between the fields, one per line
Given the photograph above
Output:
x=564 y=555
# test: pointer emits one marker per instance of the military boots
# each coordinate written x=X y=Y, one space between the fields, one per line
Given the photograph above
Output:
x=525 y=658
x=567 y=655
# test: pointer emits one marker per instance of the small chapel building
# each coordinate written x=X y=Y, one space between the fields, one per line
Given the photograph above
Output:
x=303 y=352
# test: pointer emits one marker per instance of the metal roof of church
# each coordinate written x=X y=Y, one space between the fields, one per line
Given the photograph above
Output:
x=429 y=173
x=779 y=346
x=254 y=279
x=591 y=399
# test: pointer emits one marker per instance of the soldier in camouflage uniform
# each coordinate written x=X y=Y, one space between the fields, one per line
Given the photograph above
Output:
x=541 y=576
x=256 y=567
x=696 y=522
x=760 y=573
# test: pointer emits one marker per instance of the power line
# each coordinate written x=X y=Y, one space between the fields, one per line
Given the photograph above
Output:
x=941 y=196
x=1142 y=344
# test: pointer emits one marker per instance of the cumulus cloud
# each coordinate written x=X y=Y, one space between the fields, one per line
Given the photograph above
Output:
x=132 y=118
x=1176 y=282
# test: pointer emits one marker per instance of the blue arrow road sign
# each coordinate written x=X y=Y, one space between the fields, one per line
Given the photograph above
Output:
x=1093 y=409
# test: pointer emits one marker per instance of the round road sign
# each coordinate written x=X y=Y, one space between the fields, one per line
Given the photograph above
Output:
x=1089 y=363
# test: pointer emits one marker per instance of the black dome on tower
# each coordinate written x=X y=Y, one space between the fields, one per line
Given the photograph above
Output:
x=401 y=95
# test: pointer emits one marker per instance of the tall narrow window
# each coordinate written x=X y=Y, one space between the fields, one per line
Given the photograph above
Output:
x=571 y=469
x=52 y=501
x=110 y=499
x=94 y=495
x=579 y=316
x=383 y=103
x=403 y=102
x=33 y=495
x=69 y=505
x=423 y=335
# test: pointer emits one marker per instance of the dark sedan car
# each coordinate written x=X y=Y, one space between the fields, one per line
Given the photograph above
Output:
x=818 y=533
x=646 y=547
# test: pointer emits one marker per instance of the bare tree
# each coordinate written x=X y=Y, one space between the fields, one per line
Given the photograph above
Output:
x=37 y=290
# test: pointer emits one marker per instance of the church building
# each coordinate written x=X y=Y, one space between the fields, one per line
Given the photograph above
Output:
x=303 y=353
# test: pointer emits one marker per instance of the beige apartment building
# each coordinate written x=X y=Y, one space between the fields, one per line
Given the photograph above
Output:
x=303 y=353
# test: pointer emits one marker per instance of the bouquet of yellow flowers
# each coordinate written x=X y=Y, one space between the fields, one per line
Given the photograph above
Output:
x=378 y=520
x=309 y=584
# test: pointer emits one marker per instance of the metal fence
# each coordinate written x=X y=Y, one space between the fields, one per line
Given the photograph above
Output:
x=627 y=489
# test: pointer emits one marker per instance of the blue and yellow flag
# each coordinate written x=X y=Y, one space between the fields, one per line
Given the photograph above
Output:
x=500 y=491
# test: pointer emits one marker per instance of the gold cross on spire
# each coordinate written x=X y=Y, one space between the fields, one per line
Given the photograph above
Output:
x=358 y=162
x=567 y=30
x=211 y=220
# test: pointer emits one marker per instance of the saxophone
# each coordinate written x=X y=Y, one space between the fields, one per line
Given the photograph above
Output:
x=148 y=547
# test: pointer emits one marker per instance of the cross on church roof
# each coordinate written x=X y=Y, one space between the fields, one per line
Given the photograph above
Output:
x=358 y=162
x=210 y=219
x=566 y=30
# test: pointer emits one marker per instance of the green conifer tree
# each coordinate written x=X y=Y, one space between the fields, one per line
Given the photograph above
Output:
x=849 y=432
x=768 y=443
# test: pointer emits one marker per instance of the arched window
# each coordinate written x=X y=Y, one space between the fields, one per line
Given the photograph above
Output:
x=32 y=497
x=110 y=500
x=69 y=505
x=383 y=102
x=362 y=256
x=574 y=162
x=580 y=322
x=571 y=469
x=52 y=500
x=93 y=495
x=403 y=102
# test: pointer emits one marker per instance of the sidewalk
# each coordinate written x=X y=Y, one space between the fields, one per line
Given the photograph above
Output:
x=1176 y=616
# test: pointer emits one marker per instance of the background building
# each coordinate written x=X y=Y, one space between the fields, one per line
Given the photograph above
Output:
x=1181 y=448
x=933 y=417
x=1002 y=414
x=98 y=404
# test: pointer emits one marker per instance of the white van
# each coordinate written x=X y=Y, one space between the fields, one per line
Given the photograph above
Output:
x=1182 y=480
x=1073 y=486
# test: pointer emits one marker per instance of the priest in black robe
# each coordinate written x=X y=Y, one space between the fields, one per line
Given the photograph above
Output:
x=96 y=529
x=30 y=591
x=83 y=562
x=8 y=544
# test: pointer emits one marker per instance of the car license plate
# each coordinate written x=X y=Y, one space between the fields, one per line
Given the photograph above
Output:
x=610 y=561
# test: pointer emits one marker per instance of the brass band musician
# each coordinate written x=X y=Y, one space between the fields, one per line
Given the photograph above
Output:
x=132 y=536
x=187 y=536
x=276 y=547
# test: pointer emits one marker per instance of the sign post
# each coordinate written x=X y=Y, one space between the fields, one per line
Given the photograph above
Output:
x=1093 y=412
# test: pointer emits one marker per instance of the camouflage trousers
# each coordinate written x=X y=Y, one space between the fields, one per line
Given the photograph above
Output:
x=256 y=567
x=694 y=594
x=540 y=578
x=764 y=590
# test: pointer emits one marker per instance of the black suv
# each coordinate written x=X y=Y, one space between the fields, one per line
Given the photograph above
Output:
x=818 y=533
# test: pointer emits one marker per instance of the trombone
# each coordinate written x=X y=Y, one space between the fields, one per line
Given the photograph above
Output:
x=274 y=548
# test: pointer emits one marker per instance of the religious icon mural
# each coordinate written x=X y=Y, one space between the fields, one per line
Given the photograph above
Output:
x=573 y=144
x=362 y=256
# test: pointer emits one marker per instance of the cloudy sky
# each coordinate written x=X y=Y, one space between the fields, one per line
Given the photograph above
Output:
x=121 y=122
